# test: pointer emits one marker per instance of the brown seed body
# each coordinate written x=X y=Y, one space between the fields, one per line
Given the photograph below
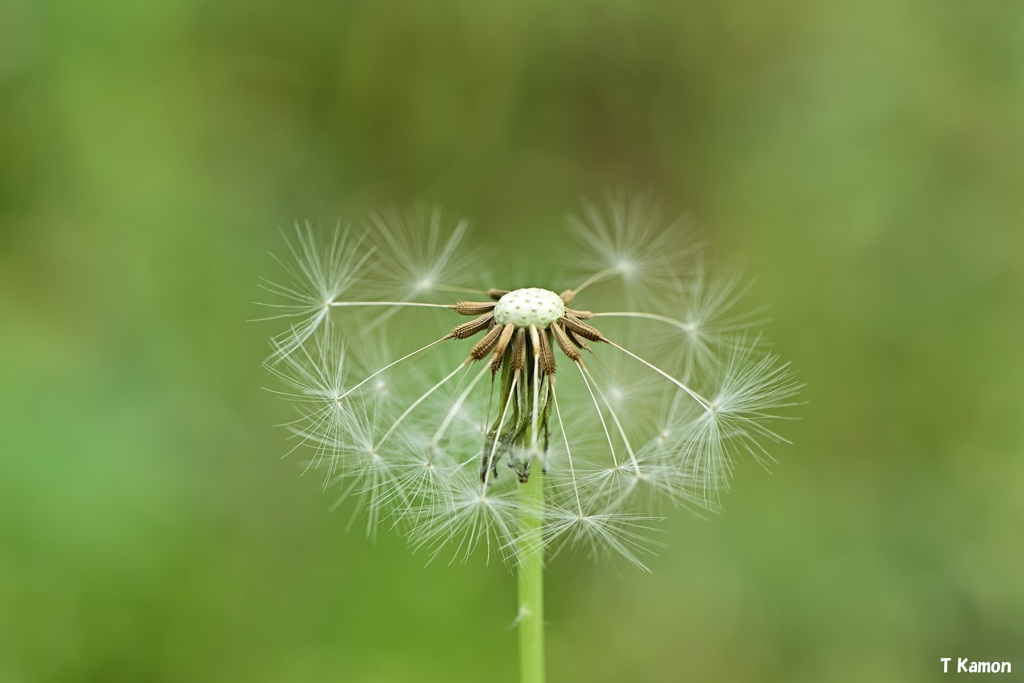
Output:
x=467 y=330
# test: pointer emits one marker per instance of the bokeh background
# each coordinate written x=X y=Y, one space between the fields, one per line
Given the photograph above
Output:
x=864 y=159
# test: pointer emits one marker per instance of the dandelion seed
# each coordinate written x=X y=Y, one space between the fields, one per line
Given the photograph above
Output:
x=319 y=274
x=628 y=241
x=419 y=256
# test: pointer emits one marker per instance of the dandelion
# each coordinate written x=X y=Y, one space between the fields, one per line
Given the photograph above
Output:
x=474 y=415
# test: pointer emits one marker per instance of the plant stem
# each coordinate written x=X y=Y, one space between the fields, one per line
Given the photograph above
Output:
x=531 y=580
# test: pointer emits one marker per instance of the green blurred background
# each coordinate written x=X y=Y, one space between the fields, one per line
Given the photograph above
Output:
x=865 y=160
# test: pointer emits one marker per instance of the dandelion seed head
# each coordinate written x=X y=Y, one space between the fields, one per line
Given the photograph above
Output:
x=428 y=393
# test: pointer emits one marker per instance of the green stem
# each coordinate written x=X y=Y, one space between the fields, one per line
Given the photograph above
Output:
x=531 y=580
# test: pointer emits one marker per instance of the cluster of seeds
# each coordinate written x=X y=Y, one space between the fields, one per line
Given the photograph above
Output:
x=665 y=392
